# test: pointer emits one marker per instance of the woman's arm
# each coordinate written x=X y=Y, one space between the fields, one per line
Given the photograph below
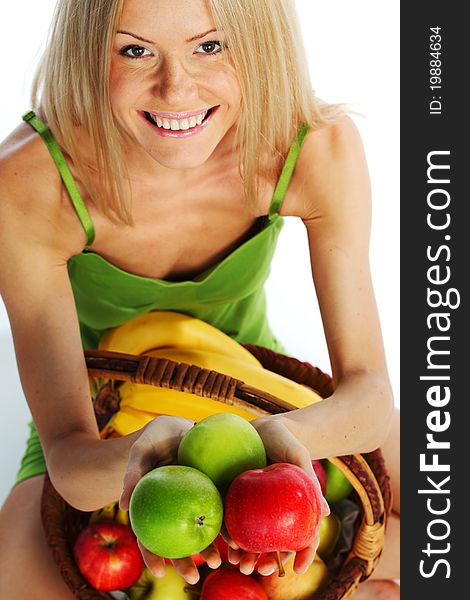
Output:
x=331 y=193
x=34 y=284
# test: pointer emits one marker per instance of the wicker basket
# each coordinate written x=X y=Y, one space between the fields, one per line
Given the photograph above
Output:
x=366 y=472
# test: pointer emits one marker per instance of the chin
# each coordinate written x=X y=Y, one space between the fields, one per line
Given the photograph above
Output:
x=180 y=160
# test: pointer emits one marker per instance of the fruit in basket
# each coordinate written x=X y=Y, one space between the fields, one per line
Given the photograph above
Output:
x=108 y=557
x=175 y=511
x=320 y=473
x=110 y=512
x=295 y=586
x=337 y=485
x=228 y=584
x=222 y=446
x=271 y=509
x=172 y=585
x=329 y=532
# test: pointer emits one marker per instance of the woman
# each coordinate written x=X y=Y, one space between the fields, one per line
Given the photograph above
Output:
x=181 y=130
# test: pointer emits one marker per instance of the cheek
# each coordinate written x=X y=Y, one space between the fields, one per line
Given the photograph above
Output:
x=224 y=82
x=122 y=86
x=116 y=85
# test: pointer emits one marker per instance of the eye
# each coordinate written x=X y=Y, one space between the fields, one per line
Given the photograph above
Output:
x=212 y=47
x=134 y=51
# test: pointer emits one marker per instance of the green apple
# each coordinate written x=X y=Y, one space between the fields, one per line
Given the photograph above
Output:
x=175 y=511
x=337 y=485
x=171 y=586
x=329 y=531
x=295 y=586
x=222 y=446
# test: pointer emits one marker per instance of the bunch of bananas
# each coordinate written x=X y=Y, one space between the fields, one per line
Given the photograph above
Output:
x=182 y=338
x=110 y=512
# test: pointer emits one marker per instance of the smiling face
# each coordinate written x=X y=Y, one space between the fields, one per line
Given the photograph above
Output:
x=173 y=91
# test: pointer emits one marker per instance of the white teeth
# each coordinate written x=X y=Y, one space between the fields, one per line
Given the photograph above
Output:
x=179 y=124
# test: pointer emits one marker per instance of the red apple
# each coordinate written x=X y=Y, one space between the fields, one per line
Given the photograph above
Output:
x=222 y=547
x=320 y=473
x=228 y=584
x=271 y=509
x=108 y=556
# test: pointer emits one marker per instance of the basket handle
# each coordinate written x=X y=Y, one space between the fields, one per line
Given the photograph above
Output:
x=182 y=377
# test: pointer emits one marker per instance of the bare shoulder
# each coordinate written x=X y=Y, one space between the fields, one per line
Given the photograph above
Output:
x=331 y=172
x=34 y=207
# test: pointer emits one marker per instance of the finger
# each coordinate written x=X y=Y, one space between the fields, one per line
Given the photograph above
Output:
x=234 y=556
x=212 y=557
x=139 y=464
x=225 y=534
x=267 y=565
x=304 y=558
x=248 y=562
x=155 y=563
x=131 y=478
x=325 y=507
x=187 y=569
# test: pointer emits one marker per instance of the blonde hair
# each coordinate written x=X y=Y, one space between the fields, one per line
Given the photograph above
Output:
x=265 y=45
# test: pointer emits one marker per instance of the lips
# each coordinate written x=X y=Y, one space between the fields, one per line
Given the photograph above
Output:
x=178 y=121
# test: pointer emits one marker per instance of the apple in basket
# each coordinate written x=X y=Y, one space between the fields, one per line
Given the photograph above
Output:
x=228 y=584
x=295 y=586
x=171 y=586
x=175 y=511
x=337 y=485
x=329 y=532
x=108 y=557
x=277 y=508
x=222 y=446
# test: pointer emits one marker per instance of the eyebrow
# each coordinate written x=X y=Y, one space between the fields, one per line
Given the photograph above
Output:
x=142 y=39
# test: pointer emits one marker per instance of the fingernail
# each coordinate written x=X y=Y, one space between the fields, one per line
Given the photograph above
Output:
x=266 y=573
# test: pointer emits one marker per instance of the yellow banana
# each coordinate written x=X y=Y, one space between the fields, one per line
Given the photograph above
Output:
x=122 y=516
x=181 y=338
x=165 y=329
x=141 y=403
x=107 y=513
x=110 y=512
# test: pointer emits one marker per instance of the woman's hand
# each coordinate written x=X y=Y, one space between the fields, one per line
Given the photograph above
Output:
x=281 y=446
x=157 y=446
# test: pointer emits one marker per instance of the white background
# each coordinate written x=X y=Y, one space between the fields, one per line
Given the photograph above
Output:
x=353 y=52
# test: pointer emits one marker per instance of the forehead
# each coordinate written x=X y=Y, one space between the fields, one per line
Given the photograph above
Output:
x=164 y=17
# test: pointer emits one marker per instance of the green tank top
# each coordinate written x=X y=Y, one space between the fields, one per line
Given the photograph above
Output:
x=229 y=296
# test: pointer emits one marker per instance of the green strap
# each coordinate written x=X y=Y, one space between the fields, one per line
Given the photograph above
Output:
x=287 y=171
x=67 y=177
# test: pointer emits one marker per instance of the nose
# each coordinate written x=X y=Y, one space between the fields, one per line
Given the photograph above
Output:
x=175 y=85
